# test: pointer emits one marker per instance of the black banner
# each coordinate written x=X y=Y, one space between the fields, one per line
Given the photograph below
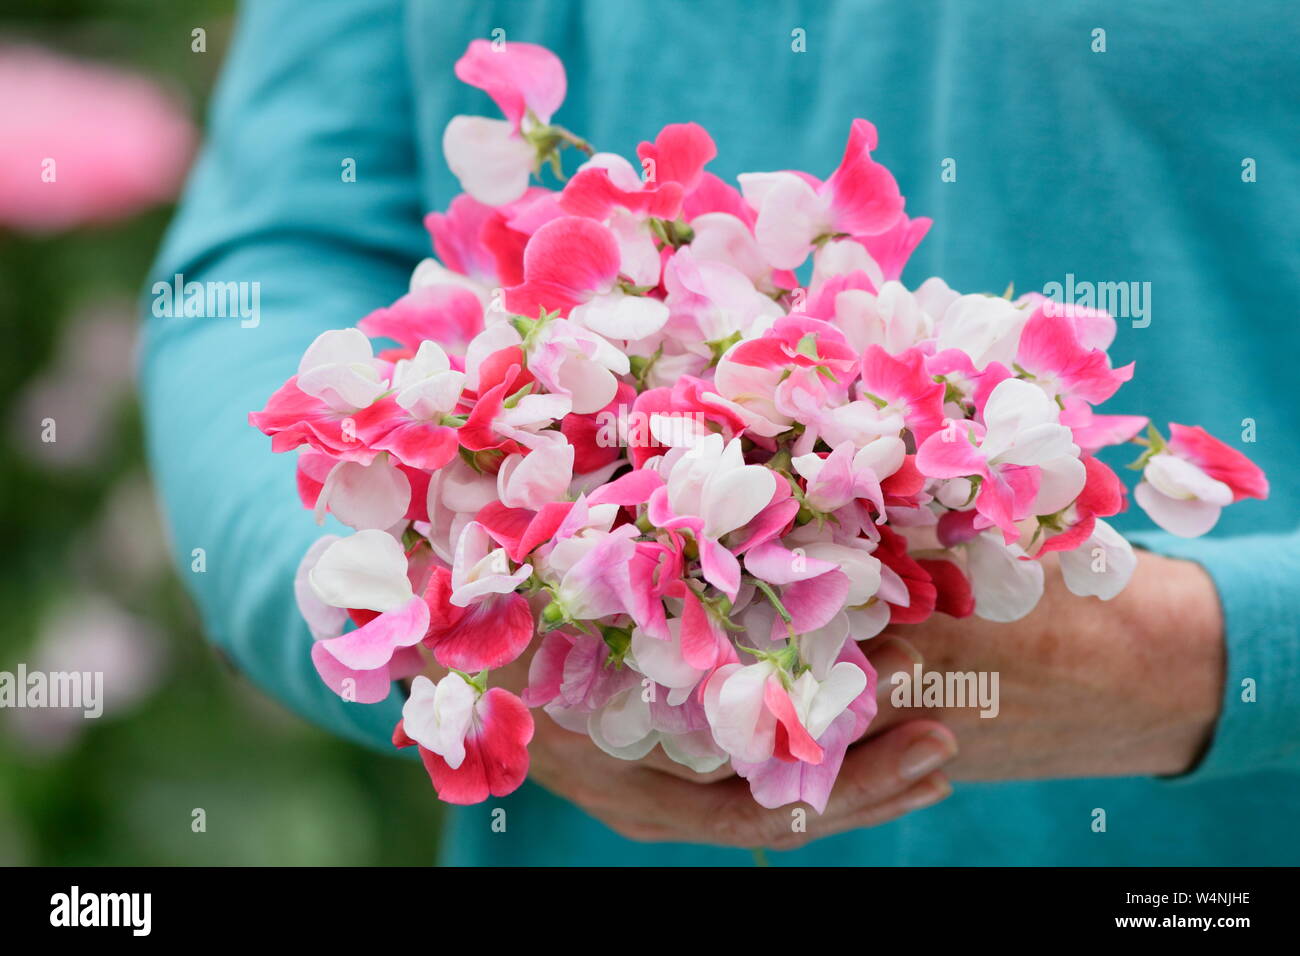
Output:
x=333 y=906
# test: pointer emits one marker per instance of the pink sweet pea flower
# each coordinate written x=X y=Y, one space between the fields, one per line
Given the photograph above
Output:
x=860 y=198
x=473 y=745
x=1050 y=351
x=906 y=387
x=664 y=661
x=607 y=182
x=493 y=159
x=1188 y=483
x=1102 y=496
x=842 y=478
x=710 y=301
x=292 y=418
x=1021 y=430
x=1093 y=432
x=892 y=248
x=798 y=342
x=478 y=621
x=534 y=480
x=571 y=265
x=449 y=315
x=588 y=569
x=458 y=240
x=1221 y=462
x=892 y=318
x=502 y=419
x=678 y=155
x=367 y=571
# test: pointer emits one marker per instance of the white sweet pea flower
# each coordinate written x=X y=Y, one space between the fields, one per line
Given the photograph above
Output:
x=480 y=569
x=1101 y=566
x=376 y=495
x=366 y=570
x=426 y=384
x=339 y=369
x=438 y=716
x=492 y=163
x=987 y=328
x=1180 y=497
x=1005 y=585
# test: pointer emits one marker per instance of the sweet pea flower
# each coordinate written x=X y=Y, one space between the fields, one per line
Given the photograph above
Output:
x=448 y=314
x=840 y=479
x=891 y=318
x=478 y=621
x=1021 y=429
x=374 y=496
x=1006 y=583
x=428 y=392
x=860 y=198
x=711 y=301
x=493 y=159
x=1101 y=566
x=777 y=783
x=571 y=265
x=1051 y=352
x=368 y=572
x=802 y=460
x=987 y=328
x=757 y=711
x=339 y=369
x=1187 y=484
x=473 y=744
x=711 y=491
x=534 y=480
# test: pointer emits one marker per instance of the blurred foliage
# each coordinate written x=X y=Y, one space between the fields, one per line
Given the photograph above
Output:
x=274 y=789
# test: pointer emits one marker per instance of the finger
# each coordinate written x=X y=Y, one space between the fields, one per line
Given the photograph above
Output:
x=894 y=660
x=658 y=760
x=926 y=792
x=875 y=773
x=880 y=769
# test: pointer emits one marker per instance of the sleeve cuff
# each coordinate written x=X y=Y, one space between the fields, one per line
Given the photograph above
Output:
x=1258 y=580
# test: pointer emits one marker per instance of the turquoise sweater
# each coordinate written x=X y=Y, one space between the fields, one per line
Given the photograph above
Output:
x=1117 y=166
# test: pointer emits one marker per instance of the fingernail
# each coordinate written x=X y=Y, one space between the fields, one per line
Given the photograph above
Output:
x=903 y=647
x=925 y=754
x=939 y=790
x=895 y=662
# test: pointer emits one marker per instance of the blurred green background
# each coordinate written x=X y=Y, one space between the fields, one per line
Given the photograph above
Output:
x=86 y=576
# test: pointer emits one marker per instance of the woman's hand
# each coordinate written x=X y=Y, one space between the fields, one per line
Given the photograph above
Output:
x=889 y=774
x=1088 y=688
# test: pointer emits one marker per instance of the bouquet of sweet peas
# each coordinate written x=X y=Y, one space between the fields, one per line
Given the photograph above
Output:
x=612 y=427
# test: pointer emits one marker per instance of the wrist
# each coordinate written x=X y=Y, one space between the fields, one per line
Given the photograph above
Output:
x=1177 y=625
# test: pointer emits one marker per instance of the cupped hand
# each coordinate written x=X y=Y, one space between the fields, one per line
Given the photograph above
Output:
x=891 y=772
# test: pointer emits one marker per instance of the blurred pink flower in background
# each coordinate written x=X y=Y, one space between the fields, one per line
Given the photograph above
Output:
x=88 y=632
x=89 y=374
x=81 y=142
